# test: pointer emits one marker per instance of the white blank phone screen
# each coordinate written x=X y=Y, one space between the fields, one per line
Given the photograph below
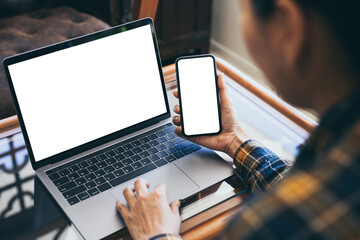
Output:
x=200 y=114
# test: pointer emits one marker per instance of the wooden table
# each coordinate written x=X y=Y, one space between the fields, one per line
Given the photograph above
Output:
x=210 y=223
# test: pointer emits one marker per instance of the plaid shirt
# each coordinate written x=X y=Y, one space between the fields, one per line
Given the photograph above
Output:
x=320 y=197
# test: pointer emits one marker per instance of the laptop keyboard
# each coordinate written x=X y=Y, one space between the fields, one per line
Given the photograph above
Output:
x=83 y=178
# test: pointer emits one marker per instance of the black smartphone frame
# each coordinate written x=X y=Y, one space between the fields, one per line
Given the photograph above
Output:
x=217 y=93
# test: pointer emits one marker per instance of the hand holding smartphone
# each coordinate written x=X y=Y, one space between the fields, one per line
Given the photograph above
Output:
x=198 y=95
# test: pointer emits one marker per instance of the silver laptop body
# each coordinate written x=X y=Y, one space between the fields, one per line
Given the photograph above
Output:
x=95 y=116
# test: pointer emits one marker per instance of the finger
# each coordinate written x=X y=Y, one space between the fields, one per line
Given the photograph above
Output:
x=176 y=93
x=222 y=89
x=177 y=109
x=174 y=206
x=161 y=189
x=176 y=120
x=124 y=211
x=129 y=196
x=178 y=131
x=133 y=188
x=141 y=187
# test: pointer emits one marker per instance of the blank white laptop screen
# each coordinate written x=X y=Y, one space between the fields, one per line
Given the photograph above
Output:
x=76 y=95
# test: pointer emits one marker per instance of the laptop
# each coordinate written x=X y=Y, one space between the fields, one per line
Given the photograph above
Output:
x=95 y=117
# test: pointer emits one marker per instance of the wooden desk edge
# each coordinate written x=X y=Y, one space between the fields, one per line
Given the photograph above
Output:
x=211 y=223
x=9 y=126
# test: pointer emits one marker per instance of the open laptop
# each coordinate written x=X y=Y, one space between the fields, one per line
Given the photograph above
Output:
x=95 y=116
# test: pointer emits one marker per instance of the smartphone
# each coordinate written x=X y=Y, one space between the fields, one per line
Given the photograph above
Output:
x=198 y=95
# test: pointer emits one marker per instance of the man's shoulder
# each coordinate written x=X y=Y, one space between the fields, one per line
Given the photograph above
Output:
x=302 y=206
x=334 y=181
x=315 y=202
x=348 y=146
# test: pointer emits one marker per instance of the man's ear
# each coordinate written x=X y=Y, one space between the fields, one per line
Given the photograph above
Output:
x=291 y=19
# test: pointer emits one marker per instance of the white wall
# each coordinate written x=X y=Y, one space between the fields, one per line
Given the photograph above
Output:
x=226 y=41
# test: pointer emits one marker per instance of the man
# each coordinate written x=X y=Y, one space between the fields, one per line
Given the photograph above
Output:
x=309 y=50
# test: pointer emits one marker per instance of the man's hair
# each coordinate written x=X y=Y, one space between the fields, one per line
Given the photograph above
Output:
x=342 y=17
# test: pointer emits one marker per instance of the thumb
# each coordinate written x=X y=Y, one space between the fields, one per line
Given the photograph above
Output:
x=222 y=89
x=174 y=206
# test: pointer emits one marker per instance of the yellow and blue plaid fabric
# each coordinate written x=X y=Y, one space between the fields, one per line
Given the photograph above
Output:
x=258 y=167
x=319 y=198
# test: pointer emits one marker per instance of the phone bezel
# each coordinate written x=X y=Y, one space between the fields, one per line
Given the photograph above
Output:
x=217 y=93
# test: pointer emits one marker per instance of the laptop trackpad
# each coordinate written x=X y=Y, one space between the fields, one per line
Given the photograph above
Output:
x=178 y=184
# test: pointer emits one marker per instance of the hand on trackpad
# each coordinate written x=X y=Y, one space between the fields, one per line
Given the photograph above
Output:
x=178 y=184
